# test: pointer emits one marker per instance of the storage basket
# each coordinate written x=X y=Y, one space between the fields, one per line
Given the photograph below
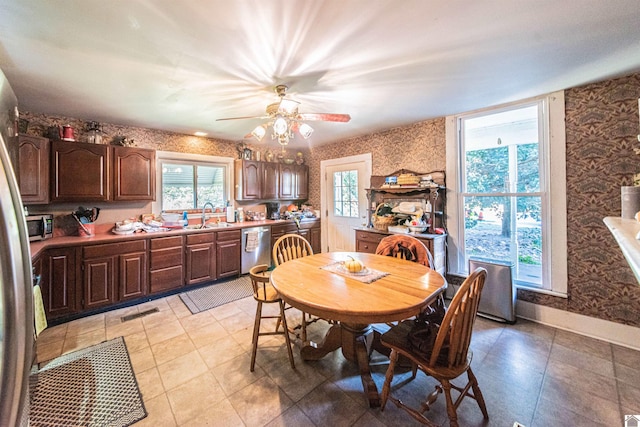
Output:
x=408 y=179
x=381 y=223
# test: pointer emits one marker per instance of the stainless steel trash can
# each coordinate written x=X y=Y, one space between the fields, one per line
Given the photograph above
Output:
x=498 y=300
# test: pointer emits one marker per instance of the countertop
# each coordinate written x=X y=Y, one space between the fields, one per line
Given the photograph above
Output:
x=625 y=232
x=104 y=234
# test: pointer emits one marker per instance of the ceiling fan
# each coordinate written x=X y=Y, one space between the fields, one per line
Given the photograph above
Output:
x=284 y=118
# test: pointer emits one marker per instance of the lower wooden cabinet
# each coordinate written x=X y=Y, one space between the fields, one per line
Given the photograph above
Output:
x=228 y=247
x=58 y=282
x=367 y=241
x=166 y=263
x=113 y=272
x=200 y=256
x=309 y=229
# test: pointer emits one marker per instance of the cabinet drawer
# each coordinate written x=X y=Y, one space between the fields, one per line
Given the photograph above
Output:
x=282 y=229
x=195 y=239
x=373 y=238
x=111 y=249
x=163 y=258
x=228 y=235
x=367 y=247
x=166 y=242
x=165 y=279
x=308 y=224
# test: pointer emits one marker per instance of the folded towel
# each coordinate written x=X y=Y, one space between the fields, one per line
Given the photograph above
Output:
x=252 y=241
x=38 y=305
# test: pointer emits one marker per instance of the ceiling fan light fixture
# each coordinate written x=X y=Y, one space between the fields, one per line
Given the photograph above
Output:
x=259 y=132
x=281 y=126
x=305 y=130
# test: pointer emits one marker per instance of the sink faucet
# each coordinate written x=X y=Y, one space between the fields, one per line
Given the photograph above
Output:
x=204 y=208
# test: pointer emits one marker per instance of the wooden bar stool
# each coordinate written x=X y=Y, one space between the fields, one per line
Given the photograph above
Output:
x=264 y=293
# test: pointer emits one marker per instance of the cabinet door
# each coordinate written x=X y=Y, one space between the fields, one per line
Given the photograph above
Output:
x=248 y=180
x=166 y=269
x=33 y=176
x=270 y=183
x=79 y=172
x=99 y=282
x=59 y=282
x=302 y=182
x=133 y=276
x=201 y=263
x=134 y=174
x=228 y=253
x=315 y=239
x=287 y=182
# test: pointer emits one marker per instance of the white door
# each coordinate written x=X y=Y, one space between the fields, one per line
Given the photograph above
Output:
x=345 y=200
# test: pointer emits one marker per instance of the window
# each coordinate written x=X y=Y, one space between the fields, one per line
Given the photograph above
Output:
x=189 y=181
x=345 y=191
x=506 y=191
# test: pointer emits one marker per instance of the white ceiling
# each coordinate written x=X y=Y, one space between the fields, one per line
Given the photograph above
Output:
x=180 y=65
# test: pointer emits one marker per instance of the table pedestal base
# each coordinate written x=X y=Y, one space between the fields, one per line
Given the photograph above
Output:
x=356 y=343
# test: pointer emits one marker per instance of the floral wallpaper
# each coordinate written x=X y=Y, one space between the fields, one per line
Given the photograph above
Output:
x=602 y=125
x=601 y=131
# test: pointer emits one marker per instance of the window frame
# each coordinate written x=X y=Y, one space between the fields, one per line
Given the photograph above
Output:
x=553 y=186
x=195 y=159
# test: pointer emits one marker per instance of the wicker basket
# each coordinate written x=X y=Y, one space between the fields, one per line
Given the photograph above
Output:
x=381 y=223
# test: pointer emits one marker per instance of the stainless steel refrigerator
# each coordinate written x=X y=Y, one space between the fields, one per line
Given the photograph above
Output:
x=16 y=286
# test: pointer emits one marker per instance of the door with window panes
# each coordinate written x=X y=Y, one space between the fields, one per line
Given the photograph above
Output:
x=345 y=205
x=502 y=189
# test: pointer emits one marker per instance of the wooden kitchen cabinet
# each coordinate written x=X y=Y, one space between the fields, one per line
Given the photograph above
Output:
x=33 y=155
x=367 y=241
x=134 y=173
x=79 y=172
x=166 y=263
x=228 y=247
x=58 y=285
x=113 y=272
x=248 y=179
x=270 y=181
x=294 y=182
x=200 y=255
x=309 y=229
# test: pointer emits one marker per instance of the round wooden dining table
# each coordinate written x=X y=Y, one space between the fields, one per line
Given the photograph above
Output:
x=319 y=285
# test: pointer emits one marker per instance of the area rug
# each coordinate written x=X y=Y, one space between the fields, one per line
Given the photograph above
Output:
x=90 y=387
x=220 y=293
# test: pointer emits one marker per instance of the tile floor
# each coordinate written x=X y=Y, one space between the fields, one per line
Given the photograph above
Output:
x=193 y=370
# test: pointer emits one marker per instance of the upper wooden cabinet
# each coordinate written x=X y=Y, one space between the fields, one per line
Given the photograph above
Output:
x=83 y=172
x=271 y=181
x=134 y=174
x=33 y=176
x=79 y=172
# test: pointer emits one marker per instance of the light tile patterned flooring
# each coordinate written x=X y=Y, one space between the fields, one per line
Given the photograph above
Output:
x=193 y=370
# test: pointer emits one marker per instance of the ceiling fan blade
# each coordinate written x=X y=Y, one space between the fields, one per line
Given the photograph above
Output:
x=324 y=117
x=242 y=118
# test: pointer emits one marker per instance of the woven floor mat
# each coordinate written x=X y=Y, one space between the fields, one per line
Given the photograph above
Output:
x=217 y=294
x=95 y=386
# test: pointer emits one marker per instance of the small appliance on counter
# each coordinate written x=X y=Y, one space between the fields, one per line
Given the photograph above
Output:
x=39 y=227
x=273 y=211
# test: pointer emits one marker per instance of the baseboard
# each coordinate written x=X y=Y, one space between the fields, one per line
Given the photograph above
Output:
x=615 y=333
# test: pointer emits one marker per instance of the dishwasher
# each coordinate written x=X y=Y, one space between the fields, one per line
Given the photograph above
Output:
x=256 y=247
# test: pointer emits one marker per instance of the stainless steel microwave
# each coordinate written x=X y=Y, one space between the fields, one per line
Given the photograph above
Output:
x=40 y=227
